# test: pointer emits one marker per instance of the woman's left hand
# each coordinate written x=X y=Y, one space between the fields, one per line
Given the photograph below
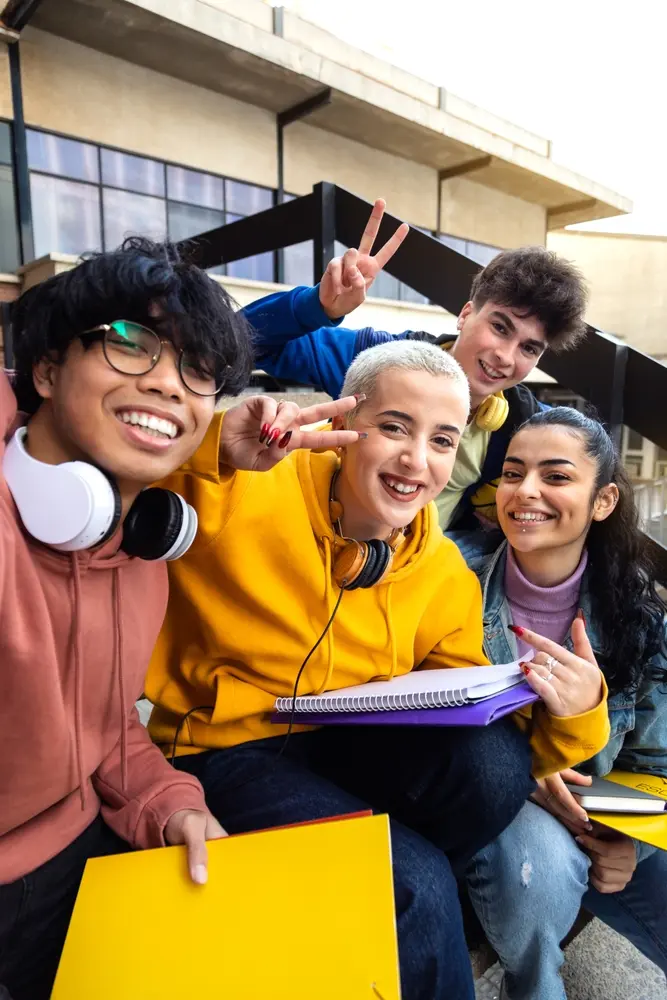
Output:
x=568 y=683
x=258 y=432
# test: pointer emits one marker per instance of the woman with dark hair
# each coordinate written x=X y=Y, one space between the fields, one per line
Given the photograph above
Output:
x=574 y=559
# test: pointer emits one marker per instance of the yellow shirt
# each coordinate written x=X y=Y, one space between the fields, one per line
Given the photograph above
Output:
x=467 y=470
x=254 y=593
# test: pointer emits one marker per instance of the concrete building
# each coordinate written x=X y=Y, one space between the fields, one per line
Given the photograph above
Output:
x=163 y=117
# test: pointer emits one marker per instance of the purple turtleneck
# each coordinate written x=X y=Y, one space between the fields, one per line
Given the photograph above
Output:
x=547 y=610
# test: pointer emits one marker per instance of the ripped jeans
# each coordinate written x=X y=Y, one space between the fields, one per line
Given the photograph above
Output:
x=527 y=887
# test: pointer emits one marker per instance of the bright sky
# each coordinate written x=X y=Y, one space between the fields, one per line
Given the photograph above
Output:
x=587 y=74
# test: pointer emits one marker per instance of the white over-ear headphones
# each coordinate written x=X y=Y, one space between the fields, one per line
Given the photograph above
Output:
x=76 y=506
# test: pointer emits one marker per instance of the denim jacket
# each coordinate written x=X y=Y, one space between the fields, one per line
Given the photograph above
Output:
x=638 y=740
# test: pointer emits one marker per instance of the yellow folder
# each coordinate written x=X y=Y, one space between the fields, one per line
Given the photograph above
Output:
x=301 y=913
x=649 y=829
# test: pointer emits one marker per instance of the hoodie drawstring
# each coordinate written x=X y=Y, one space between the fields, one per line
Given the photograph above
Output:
x=392 y=634
x=118 y=670
x=78 y=678
x=328 y=600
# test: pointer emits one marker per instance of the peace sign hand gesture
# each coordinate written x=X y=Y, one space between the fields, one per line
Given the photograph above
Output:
x=259 y=432
x=568 y=683
x=347 y=279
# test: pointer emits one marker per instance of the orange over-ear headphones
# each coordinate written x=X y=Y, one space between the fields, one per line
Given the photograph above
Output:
x=359 y=564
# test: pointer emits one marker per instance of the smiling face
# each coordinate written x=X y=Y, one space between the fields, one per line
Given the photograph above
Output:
x=414 y=421
x=547 y=496
x=497 y=347
x=138 y=428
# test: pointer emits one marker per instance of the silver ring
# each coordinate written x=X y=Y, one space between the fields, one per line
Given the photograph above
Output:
x=550 y=664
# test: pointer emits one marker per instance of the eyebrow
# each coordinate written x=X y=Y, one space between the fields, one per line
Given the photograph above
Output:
x=546 y=461
x=410 y=420
x=507 y=320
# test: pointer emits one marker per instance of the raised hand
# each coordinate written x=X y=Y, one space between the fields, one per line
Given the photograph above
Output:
x=259 y=432
x=553 y=795
x=568 y=683
x=347 y=279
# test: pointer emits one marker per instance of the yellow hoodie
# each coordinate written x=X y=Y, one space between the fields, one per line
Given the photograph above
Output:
x=254 y=593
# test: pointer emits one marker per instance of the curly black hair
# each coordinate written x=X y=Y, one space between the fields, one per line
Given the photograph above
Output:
x=195 y=311
x=628 y=612
x=543 y=284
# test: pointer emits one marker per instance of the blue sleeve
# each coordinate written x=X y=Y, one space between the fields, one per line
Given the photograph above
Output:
x=278 y=318
x=320 y=358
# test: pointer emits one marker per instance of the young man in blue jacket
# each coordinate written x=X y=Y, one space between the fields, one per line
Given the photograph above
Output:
x=523 y=302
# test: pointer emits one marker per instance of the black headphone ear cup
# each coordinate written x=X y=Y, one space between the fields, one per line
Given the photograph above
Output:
x=153 y=524
x=377 y=560
x=117 y=510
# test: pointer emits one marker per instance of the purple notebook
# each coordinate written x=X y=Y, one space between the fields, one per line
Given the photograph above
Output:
x=479 y=713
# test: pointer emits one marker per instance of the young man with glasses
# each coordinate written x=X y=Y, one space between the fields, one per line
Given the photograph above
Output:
x=119 y=364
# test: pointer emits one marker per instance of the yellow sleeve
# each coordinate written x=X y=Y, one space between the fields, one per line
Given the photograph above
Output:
x=462 y=646
x=563 y=741
x=214 y=491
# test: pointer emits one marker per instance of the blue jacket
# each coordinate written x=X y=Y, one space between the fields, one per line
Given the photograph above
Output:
x=297 y=342
x=638 y=740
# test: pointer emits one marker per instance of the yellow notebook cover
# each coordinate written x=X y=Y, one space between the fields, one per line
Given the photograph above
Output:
x=649 y=829
x=299 y=913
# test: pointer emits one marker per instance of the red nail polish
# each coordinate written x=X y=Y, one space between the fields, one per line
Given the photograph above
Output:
x=264 y=433
x=272 y=438
x=516 y=629
x=581 y=616
x=524 y=668
x=284 y=441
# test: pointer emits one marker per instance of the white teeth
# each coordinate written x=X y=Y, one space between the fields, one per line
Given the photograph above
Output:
x=156 y=426
x=488 y=370
x=400 y=487
x=529 y=516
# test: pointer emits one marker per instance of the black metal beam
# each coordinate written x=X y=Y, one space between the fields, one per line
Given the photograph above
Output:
x=281 y=226
x=17 y=13
x=595 y=370
x=324 y=213
x=20 y=157
x=645 y=396
x=422 y=262
x=7 y=342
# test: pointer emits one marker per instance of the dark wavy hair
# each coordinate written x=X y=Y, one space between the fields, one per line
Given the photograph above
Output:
x=545 y=285
x=628 y=612
x=195 y=312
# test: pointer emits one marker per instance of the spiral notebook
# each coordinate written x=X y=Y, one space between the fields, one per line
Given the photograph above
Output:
x=457 y=696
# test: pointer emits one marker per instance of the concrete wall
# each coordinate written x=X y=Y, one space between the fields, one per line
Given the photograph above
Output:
x=627 y=276
x=87 y=94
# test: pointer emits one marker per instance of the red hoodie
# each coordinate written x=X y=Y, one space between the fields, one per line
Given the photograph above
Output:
x=76 y=634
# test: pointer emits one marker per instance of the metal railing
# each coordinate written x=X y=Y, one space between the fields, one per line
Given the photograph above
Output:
x=626 y=386
x=651 y=500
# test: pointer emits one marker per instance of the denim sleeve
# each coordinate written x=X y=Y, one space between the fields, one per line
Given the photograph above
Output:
x=645 y=747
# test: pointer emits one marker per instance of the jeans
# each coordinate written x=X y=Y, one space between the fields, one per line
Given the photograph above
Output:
x=527 y=887
x=35 y=912
x=448 y=792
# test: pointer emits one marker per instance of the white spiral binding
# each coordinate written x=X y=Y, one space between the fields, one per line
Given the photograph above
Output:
x=374 y=703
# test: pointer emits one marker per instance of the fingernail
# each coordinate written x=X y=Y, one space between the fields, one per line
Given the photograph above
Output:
x=362 y=435
x=581 y=616
x=525 y=668
x=199 y=874
x=516 y=629
x=284 y=441
x=589 y=826
x=579 y=840
x=264 y=433
x=273 y=437
x=360 y=396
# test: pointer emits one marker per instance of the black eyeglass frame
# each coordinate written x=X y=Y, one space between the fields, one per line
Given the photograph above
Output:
x=105 y=328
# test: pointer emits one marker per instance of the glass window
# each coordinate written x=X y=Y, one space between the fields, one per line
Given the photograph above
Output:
x=9 y=236
x=5 y=143
x=259 y=267
x=453 y=242
x=128 y=214
x=384 y=287
x=194 y=187
x=66 y=215
x=635 y=441
x=133 y=173
x=298 y=264
x=189 y=220
x=246 y=199
x=64 y=157
x=408 y=294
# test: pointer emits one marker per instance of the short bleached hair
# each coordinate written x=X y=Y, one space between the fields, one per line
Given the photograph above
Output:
x=399 y=355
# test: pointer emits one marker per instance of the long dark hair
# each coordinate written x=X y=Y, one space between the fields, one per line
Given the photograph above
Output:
x=628 y=613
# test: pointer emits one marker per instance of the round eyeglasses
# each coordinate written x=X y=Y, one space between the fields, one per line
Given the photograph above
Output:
x=133 y=349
